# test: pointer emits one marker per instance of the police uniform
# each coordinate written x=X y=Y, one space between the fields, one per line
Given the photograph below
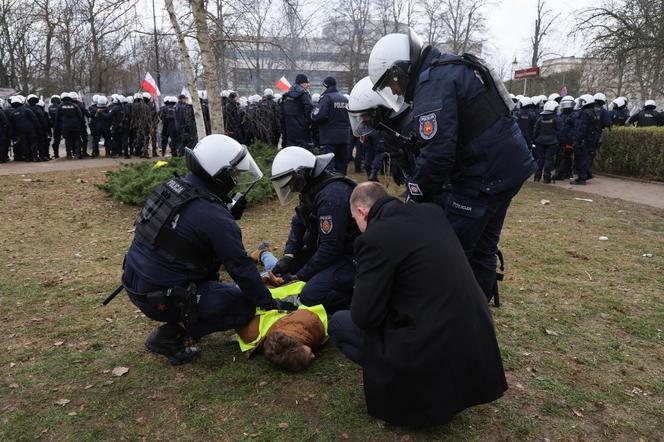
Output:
x=586 y=126
x=52 y=114
x=374 y=150
x=5 y=136
x=168 y=131
x=119 y=129
x=647 y=117
x=183 y=239
x=321 y=238
x=185 y=125
x=100 y=125
x=296 y=108
x=566 y=121
x=545 y=135
x=526 y=118
x=619 y=116
x=473 y=157
x=331 y=119
x=71 y=123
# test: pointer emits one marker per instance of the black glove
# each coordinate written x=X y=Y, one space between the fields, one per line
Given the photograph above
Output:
x=238 y=208
x=284 y=305
x=282 y=266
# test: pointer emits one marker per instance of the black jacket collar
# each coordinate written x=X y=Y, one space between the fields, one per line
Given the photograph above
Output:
x=384 y=206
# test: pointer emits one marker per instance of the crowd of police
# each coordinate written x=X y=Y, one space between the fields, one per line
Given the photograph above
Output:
x=565 y=133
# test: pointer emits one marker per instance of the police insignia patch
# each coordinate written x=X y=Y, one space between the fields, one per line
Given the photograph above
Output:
x=326 y=224
x=414 y=189
x=428 y=126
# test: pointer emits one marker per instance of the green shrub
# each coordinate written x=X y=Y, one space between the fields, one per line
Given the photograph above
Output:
x=133 y=183
x=634 y=152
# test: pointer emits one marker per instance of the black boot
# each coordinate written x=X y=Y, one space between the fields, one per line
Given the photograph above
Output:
x=168 y=340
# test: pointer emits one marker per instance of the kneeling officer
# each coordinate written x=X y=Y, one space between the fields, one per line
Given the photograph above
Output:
x=185 y=231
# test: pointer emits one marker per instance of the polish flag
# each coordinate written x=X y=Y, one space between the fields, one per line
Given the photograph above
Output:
x=563 y=91
x=150 y=85
x=283 y=84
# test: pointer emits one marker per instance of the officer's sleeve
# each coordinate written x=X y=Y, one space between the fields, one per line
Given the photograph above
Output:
x=333 y=217
x=296 y=236
x=435 y=113
x=536 y=128
x=223 y=233
x=322 y=113
x=581 y=128
x=307 y=106
x=373 y=284
x=606 y=118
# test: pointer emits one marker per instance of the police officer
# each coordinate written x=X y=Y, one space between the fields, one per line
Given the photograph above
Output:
x=141 y=125
x=270 y=117
x=100 y=126
x=52 y=110
x=92 y=110
x=526 y=116
x=603 y=120
x=233 y=117
x=296 y=108
x=6 y=134
x=619 y=113
x=546 y=132
x=184 y=233
x=473 y=158
x=76 y=99
x=566 y=122
x=44 y=135
x=205 y=107
x=587 y=123
x=25 y=128
x=168 y=131
x=71 y=122
x=185 y=124
x=331 y=119
x=647 y=117
x=119 y=126
x=320 y=243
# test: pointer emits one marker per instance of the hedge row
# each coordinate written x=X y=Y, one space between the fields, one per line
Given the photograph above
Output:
x=634 y=152
x=133 y=183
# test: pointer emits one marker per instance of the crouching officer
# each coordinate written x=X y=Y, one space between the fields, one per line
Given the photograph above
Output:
x=319 y=249
x=183 y=234
x=473 y=158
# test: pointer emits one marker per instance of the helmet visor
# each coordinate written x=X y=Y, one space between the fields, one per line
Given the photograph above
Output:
x=394 y=101
x=283 y=189
x=360 y=123
x=246 y=171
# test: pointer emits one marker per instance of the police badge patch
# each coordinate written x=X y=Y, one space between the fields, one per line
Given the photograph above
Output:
x=326 y=224
x=428 y=126
x=414 y=189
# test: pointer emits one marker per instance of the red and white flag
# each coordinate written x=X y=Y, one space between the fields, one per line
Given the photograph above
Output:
x=283 y=84
x=150 y=85
x=563 y=91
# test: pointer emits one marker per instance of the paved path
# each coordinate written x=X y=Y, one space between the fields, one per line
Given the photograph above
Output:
x=641 y=192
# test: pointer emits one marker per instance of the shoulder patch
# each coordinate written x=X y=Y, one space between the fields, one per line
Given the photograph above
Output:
x=428 y=126
x=326 y=224
x=414 y=189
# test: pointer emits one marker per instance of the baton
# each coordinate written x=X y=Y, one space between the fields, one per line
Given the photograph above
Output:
x=113 y=294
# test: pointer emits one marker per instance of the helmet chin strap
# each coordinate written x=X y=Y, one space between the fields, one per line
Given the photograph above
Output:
x=413 y=71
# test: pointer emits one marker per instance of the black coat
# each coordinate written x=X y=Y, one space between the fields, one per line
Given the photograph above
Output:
x=331 y=117
x=430 y=344
x=296 y=107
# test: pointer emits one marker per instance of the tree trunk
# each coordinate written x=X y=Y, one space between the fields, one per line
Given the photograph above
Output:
x=188 y=67
x=210 y=76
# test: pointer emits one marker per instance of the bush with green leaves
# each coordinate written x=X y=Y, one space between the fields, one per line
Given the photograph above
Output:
x=133 y=182
x=634 y=152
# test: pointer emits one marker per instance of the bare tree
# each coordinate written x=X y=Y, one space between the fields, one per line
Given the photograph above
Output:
x=350 y=29
x=462 y=21
x=188 y=67
x=543 y=23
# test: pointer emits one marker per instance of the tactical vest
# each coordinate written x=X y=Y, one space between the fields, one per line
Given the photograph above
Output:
x=293 y=106
x=484 y=109
x=647 y=118
x=155 y=224
x=547 y=128
x=306 y=210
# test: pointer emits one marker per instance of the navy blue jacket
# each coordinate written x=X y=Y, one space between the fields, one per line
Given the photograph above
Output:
x=118 y=119
x=586 y=127
x=214 y=236
x=167 y=116
x=331 y=117
x=324 y=223
x=566 y=134
x=645 y=118
x=23 y=121
x=42 y=117
x=296 y=108
x=494 y=161
x=5 y=127
x=546 y=130
x=184 y=118
x=619 y=116
x=100 y=118
x=69 y=117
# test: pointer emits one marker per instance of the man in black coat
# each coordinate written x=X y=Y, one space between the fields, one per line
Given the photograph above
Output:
x=419 y=323
x=296 y=108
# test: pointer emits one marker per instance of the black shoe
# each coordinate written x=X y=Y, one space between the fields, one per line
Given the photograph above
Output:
x=168 y=340
x=578 y=182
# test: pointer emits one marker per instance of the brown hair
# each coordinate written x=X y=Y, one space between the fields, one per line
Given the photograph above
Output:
x=285 y=352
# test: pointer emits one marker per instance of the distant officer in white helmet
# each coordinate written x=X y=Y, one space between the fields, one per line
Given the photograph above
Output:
x=546 y=132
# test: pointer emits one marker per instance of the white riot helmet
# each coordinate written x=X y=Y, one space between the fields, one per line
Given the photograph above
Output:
x=536 y=100
x=542 y=99
x=268 y=93
x=147 y=96
x=225 y=93
x=619 y=102
x=243 y=101
x=74 y=95
x=32 y=97
x=277 y=97
x=170 y=99
x=102 y=101
x=600 y=97
x=292 y=169
x=20 y=99
x=55 y=98
x=129 y=99
x=254 y=99
x=391 y=61
x=95 y=98
x=526 y=101
x=362 y=103
x=549 y=107
x=137 y=96
x=555 y=97
x=567 y=102
x=586 y=100
x=650 y=103
x=222 y=163
x=315 y=98
x=123 y=99
x=64 y=95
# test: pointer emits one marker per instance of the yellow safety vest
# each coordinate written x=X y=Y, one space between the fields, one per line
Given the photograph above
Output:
x=268 y=318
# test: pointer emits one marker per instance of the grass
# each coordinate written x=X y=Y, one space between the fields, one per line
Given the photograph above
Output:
x=595 y=375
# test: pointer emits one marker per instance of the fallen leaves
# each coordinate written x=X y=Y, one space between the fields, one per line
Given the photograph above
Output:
x=283 y=425
x=62 y=402
x=545 y=202
x=551 y=332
